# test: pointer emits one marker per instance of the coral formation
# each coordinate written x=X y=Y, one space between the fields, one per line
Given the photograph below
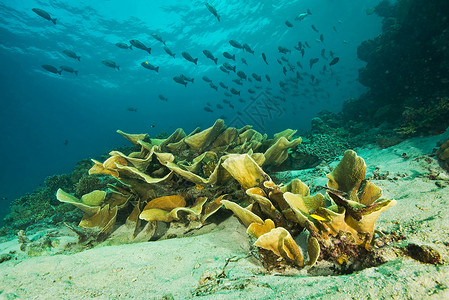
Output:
x=171 y=187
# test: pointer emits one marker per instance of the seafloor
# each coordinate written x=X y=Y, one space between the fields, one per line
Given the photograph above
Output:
x=217 y=264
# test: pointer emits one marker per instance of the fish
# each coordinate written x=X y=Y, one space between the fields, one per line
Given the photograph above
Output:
x=313 y=61
x=210 y=55
x=334 y=61
x=239 y=113
x=207 y=79
x=44 y=14
x=162 y=97
x=227 y=94
x=242 y=100
x=149 y=66
x=224 y=69
x=168 y=51
x=71 y=54
x=322 y=38
x=51 y=69
x=268 y=78
x=229 y=56
x=314 y=28
x=208 y=109
x=292 y=67
x=110 y=63
x=241 y=74
x=301 y=16
x=184 y=77
x=257 y=77
x=334 y=28
x=123 y=46
x=307 y=45
x=279 y=62
x=158 y=38
x=264 y=57
x=229 y=67
x=68 y=69
x=284 y=50
x=247 y=48
x=212 y=9
x=188 y=57
x=323 y=55
x=133 y=109
x=288 y=24
x=299 y=64
x=180 y=80
x=284 y=70
x=219 y=106
x=231 y=106
x=302 y=52
x=235 y=92
x=223 y=85
x=66 y=142
x=235 y=44
x=226 y=101
x=244 y=61
x=140 y=45
x=283 y=58
x=213 y=86
x=237 y=81
x=251 y=91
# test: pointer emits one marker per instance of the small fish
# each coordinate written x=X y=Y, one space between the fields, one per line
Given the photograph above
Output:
x=188 y=57
x=229 y=67
x=158 y=38
x=149 y=66
x=334 y=28
x=168 y=51
x=235 y=92
x=244 y=61
x=237 y=81
x=133 y=109
x=242 y=100
x=257 y=77
x=213 y=10
x=284 y=70
x=213 y=86
x=162 y=97
x=268 y=78
x=322 y=38
x=69 y=69
x=226 y=101
x=231 y=106
x=219 y=106
x=299 y=64
x=208 y=109
x=184 y=77
x=51 y=69
x=224 y=69
x=223 y=85
x=71 y=54
x=302 y=52
x=284 y=50
x=124 y=46
x=207 y=79
x=110 y=63
x=307 y=45
x=314 y=28
x=264 y=57
x=235 y=44
x=241 y=74
x=44 y=14
x=283 y=58
x=323 y=55
x=313 y=61
x=334 y=61
x=279 y=62
x=140 y=45
x=288 y=24
x=251 y=91
x=292 y=67
x=229 y=56
x=66 y=142
x=227 y=94
x=247 y=48
x=180 y=80
x=210 y=55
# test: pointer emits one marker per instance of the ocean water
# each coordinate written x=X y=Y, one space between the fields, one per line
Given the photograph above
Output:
x=51 y=121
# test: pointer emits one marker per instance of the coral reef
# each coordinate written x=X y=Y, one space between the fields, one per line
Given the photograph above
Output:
x=406 y=71
x=170 y=188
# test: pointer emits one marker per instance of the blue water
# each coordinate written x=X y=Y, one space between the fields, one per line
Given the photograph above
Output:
x=51 y=121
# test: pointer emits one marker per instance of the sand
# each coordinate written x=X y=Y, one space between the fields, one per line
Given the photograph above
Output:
x=172 y=269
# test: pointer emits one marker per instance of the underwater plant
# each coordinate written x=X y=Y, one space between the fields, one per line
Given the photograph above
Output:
x=183 y=180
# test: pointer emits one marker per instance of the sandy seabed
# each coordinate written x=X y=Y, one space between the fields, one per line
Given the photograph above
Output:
x=172 y=269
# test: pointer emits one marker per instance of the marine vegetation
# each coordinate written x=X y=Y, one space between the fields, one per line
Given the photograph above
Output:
x=170 y=188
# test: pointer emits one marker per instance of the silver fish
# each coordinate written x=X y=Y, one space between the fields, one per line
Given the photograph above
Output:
x=110 y=63
x=44 y=14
